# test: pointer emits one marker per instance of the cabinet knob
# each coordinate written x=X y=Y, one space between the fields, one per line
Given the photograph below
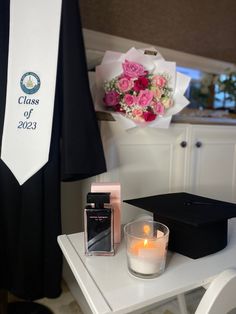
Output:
x=198 y=144
x=183 y=144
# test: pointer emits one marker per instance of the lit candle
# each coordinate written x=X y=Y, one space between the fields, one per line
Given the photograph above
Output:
x=147 y=256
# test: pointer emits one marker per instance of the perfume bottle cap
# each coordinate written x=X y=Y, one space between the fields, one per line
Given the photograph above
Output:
x=98 y=198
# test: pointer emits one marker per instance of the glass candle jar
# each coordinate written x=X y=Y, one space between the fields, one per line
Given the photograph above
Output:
x=146 y=247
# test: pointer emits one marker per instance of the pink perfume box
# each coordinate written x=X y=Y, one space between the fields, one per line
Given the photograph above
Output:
x=115 y=200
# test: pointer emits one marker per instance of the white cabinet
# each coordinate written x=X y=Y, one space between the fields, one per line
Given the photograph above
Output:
x=212 y=162
x=195 y=158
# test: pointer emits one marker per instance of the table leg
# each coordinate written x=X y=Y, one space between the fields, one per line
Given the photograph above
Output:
x=182 y=303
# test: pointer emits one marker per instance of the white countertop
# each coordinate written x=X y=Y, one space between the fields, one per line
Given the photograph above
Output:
x=211 y=117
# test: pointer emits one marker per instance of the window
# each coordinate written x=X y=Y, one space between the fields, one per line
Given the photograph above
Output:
x=210 y=91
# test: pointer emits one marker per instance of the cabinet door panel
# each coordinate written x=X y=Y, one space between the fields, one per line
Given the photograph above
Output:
x=144 y=172
x=213 y=164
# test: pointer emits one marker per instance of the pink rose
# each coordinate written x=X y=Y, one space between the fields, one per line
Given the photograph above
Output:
x=149 y=116
x=124 y=84
x=159 y=108
x=145 y=97
x=129 y=99
x=111 y=98
x=137 y=112
x=141 y=83
x=158 y=80
x=133 y=69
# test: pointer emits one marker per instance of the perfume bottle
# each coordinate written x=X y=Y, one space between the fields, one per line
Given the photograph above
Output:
x=115 y=200
x=98 y=222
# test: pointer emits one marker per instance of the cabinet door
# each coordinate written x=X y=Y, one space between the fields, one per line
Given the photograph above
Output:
x=146 y=161
x=212 y=166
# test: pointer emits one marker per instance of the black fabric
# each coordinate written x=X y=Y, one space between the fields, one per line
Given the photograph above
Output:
x=27 y=308
x=30 y=258
x=82 y=153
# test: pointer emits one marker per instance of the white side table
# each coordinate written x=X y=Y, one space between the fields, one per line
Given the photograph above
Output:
x=109 y=288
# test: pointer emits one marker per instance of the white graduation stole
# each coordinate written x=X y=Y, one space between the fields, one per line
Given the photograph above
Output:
x=31 y=80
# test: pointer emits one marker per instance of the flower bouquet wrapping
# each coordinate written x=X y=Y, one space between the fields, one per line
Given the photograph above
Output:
x=140 y=88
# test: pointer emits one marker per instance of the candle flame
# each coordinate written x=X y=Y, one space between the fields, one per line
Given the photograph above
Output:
x=146 y=229
x=145 y=242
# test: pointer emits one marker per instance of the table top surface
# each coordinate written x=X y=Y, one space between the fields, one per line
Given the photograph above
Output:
x=109 y=288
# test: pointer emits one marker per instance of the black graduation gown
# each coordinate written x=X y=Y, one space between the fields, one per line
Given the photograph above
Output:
x=30 y=259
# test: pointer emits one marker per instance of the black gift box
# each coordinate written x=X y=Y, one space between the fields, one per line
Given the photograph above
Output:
x=198 y=225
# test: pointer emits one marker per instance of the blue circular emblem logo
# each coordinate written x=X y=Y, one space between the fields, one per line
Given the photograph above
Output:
x=30 y=83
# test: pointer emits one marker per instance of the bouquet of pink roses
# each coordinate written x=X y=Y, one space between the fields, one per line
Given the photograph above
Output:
x=141 y=88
